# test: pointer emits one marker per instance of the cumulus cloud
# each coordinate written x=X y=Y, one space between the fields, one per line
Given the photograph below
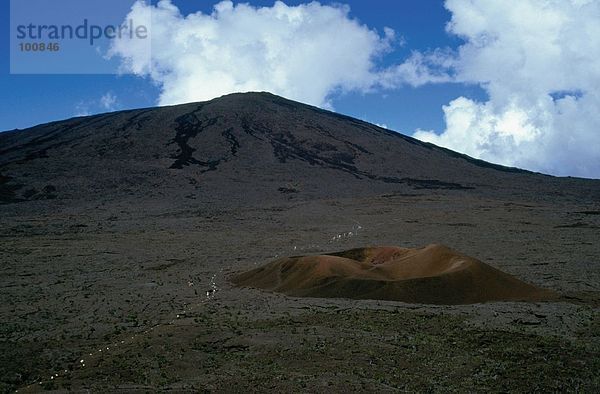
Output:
x=303 y=52
x=538 y=62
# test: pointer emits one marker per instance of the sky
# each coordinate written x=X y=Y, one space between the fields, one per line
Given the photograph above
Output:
x=514 y=82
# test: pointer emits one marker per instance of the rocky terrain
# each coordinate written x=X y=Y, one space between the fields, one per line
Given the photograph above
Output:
x=120 y=233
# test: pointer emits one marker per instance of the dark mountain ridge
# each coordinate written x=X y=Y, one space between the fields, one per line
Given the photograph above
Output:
x=250 y=146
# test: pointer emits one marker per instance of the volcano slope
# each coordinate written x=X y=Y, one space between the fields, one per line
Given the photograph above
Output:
x=118 y=233
x=434 y=274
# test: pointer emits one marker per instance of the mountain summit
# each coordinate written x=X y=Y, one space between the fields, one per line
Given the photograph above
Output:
x=246 y=147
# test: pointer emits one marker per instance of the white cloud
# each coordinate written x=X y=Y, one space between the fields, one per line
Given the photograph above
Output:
x=538 y=62
x=420 y=69
x=108 y=101
x=303 y=52
x=81 y=109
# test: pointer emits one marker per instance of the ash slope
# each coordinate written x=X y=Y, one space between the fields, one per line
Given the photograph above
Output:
x=434 y=274
x=251 y=147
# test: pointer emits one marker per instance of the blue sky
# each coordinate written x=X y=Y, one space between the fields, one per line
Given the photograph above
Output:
x=27 y=100
x=513 y=82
